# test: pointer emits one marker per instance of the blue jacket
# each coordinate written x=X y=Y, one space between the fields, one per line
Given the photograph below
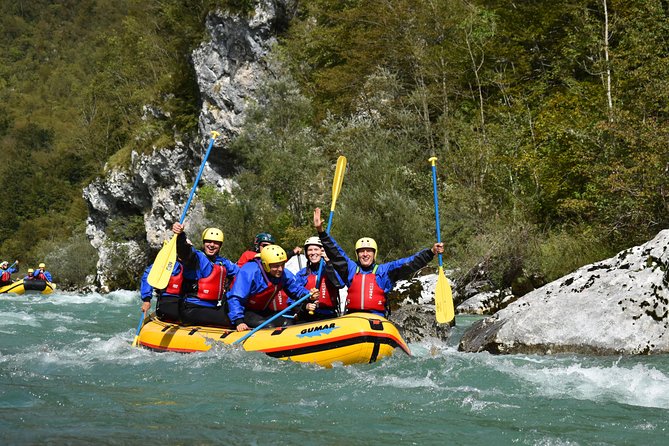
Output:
x=387 y=274
x=146 y=290
x=251 y=281
x=198 y=266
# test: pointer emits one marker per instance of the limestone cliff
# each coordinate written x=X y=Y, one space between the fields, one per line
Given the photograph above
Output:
x=229 y=67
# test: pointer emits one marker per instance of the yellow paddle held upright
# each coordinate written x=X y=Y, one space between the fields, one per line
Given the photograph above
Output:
x=336 y=188
x=443 y=296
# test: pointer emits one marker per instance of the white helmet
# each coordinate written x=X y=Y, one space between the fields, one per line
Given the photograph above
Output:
x=312 y=241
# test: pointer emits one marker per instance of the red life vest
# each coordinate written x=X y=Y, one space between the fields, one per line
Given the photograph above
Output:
x=246 y=257
x=364 y=293
x=40 y=276
x=175 y=284
x=327 y=290
x=271 y=298
x=211 y=287
x=6 y=277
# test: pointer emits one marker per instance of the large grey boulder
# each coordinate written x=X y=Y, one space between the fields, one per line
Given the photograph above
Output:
x=616 y=306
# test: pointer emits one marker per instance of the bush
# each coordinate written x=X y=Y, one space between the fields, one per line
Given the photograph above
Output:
x=71 y=262
x=562 y=252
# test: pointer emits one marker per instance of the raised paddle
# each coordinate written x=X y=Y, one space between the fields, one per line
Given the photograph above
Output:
x=443 y=297
x=336 y=188
x=135 y=342
x=162 y=267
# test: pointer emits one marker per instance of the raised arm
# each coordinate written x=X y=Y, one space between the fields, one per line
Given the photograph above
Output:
x=403 y=268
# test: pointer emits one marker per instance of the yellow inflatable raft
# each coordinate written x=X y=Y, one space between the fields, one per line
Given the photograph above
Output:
x=350 y=339
x=33 y=286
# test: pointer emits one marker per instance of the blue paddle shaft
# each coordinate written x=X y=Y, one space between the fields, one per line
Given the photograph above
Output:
x=276 y=316
x=436 y=208
x=141 y=322
x=321 y=263
x=197 y=180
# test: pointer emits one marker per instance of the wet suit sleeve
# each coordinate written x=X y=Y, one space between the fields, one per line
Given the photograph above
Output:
x=241 y=289
x=340 y=262
x=145 y=290
x=185 y=252
x=403 y=268
x=332 y=276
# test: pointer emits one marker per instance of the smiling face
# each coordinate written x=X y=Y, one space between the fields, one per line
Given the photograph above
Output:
x=366 y=256
x=211 y=247
x=314 y=253
x=276 y=269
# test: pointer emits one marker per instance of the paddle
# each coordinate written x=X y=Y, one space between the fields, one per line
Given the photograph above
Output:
x=162 y=267
x=443 y=297
x=135 y=342
x=336 y=188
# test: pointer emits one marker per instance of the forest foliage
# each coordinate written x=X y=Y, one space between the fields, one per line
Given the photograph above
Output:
x=549 y=121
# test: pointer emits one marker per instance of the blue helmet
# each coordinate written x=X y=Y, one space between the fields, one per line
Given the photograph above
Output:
x=263 y=237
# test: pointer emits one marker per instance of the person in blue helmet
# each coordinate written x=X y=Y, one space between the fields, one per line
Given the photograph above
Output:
x=167 y=300
x=369 y=282
x=259 y=242
x=206 y=277
x=262 y=288
x=327 y=305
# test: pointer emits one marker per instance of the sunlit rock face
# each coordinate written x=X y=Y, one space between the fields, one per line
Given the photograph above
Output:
x=616 y=306
x=229 y=67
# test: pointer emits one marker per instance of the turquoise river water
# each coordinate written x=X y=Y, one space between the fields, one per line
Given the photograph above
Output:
x=68 y=375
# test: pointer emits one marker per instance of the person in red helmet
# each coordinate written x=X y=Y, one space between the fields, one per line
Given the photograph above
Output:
x=368 y=281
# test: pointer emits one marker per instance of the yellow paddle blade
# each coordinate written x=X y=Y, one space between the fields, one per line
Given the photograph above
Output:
x=443 y=299
x=162 y=268
x=338 y=180
x=136 y=341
